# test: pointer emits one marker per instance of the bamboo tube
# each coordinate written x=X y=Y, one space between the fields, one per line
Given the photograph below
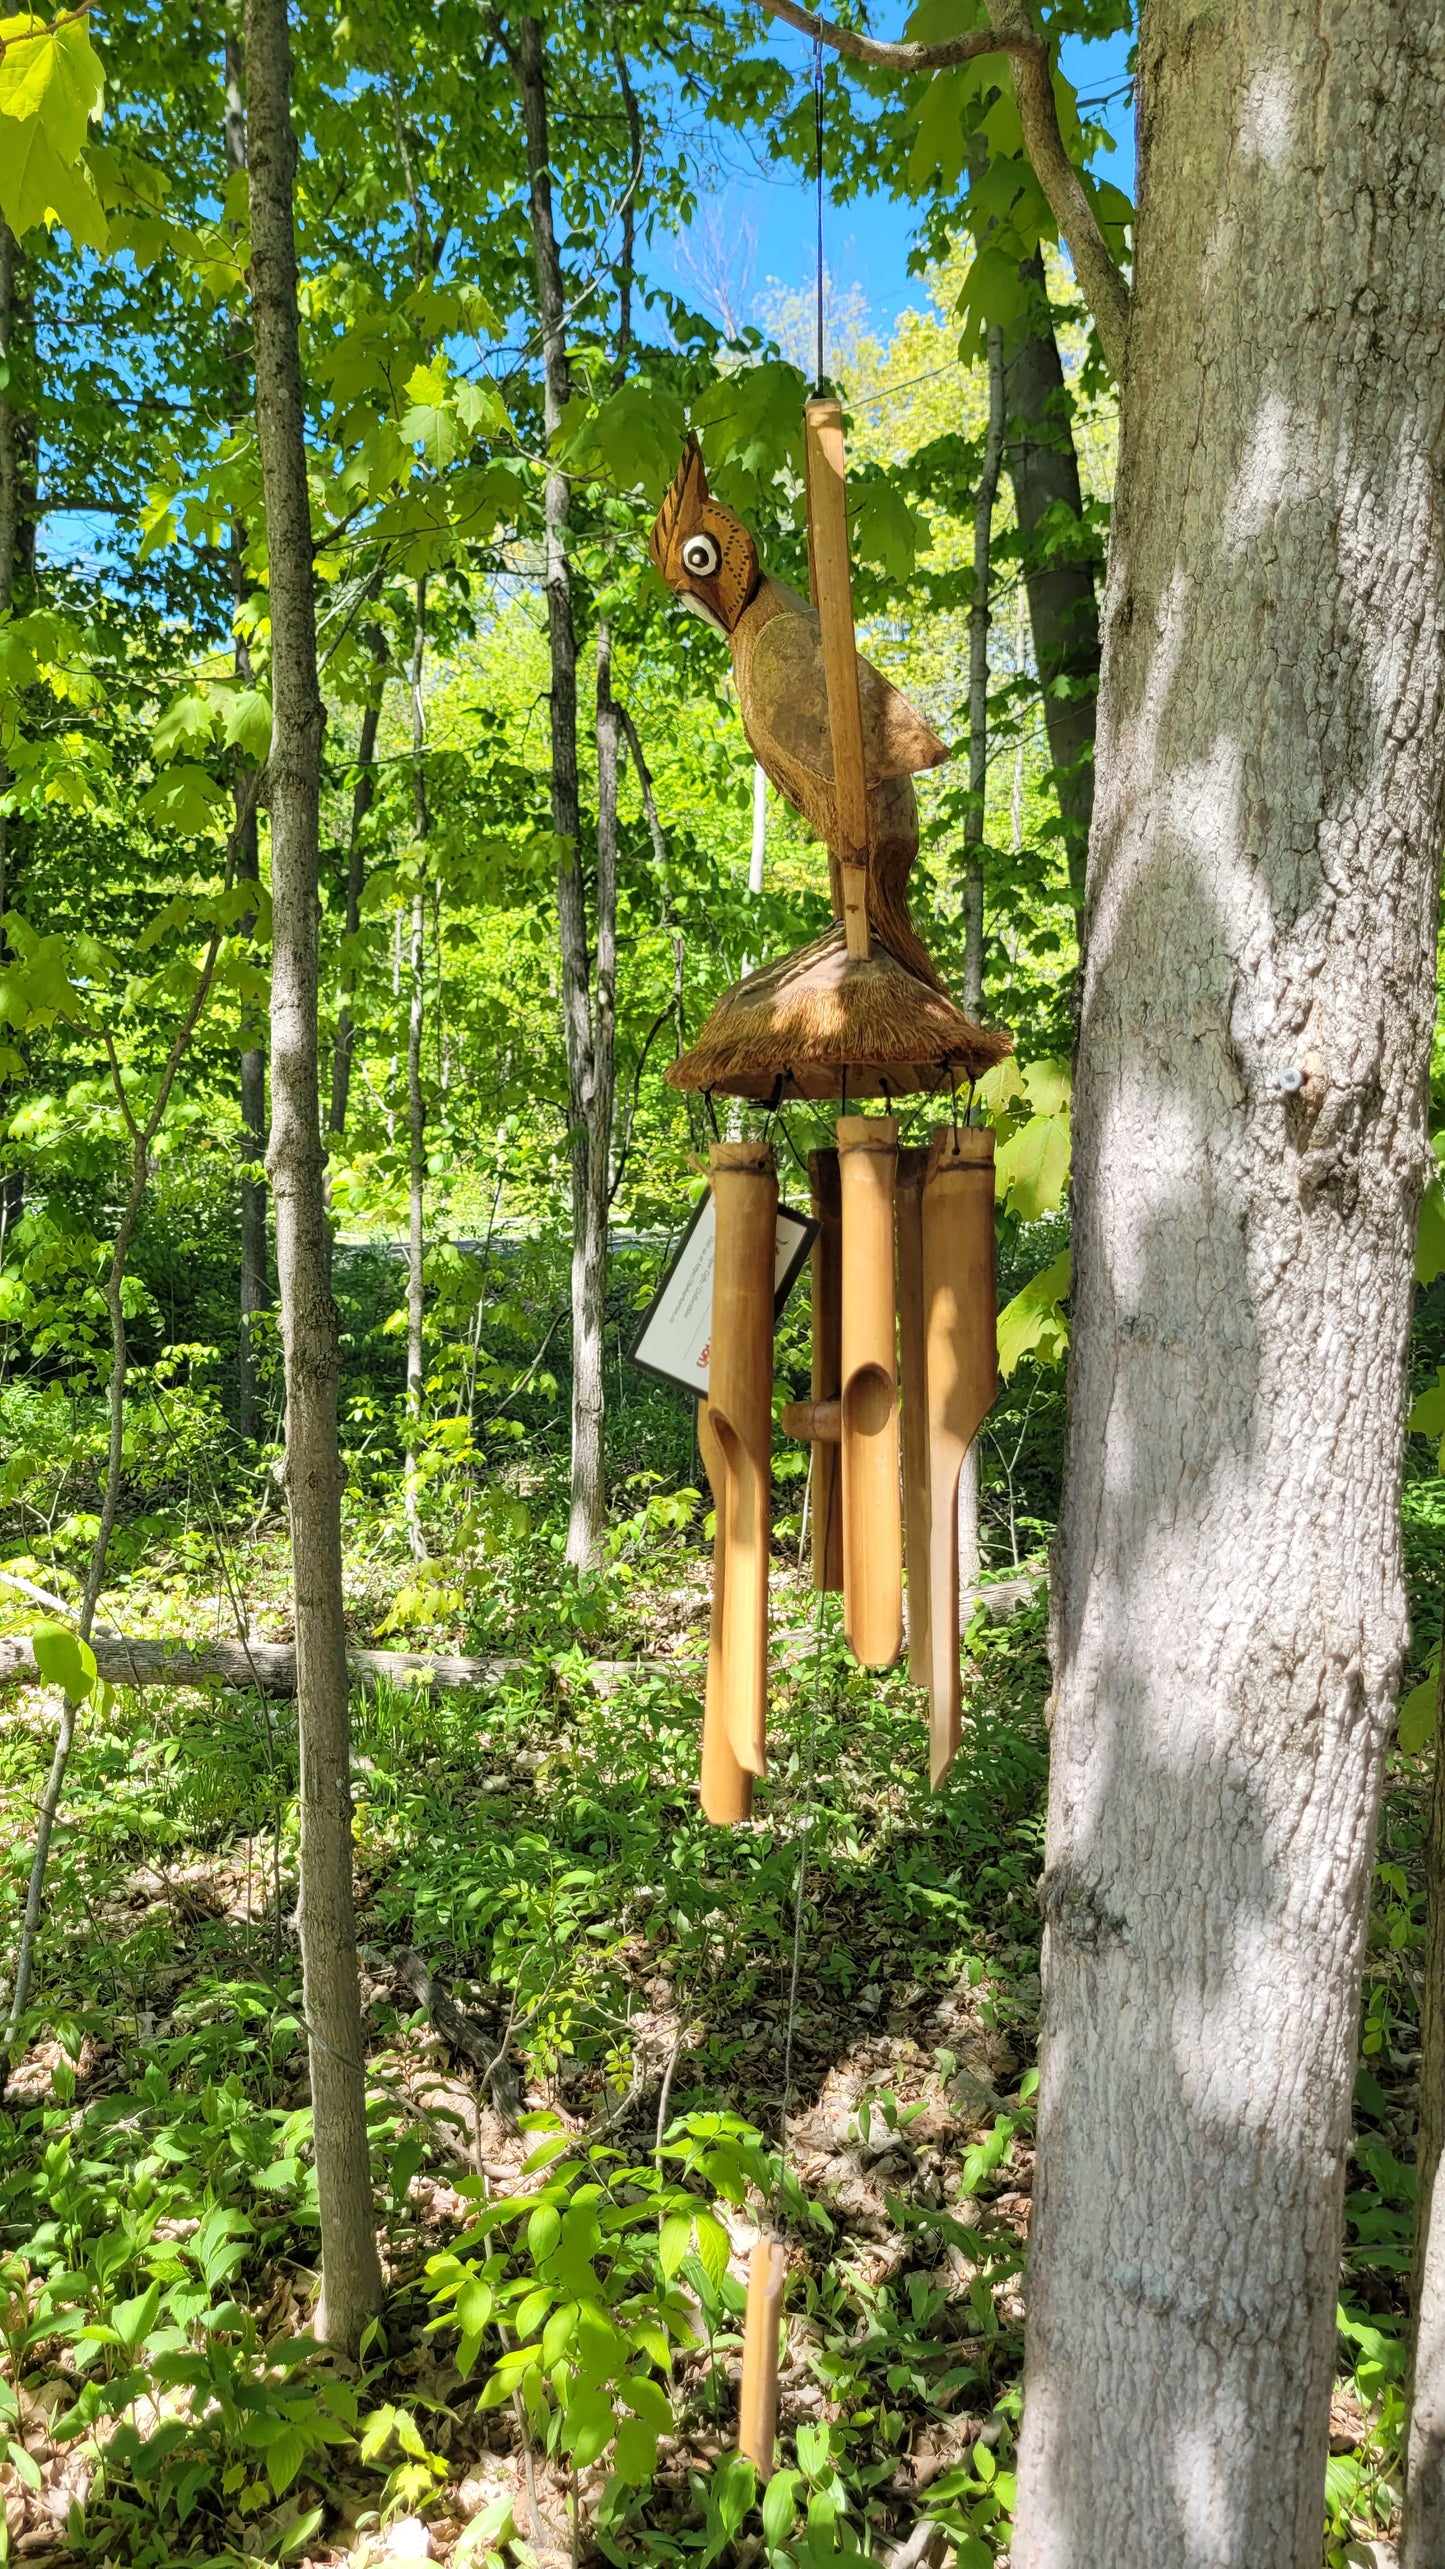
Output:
x=740 y=1405
x=833 y=586
x=872 y=1512
x=726 y=1788
x=962 y=1365
x=913 y=1390
x=827 y=1366
x=758 y=2393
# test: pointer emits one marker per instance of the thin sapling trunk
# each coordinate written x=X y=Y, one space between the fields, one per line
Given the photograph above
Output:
x=351 y=2272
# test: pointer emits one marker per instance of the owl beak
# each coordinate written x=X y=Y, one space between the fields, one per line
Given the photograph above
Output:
x=698 y=606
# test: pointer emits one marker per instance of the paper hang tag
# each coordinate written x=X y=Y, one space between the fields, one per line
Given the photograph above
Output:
x=675 y=1338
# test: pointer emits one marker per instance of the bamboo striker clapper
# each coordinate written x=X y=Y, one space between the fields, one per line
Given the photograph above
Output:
x=738 y=1453
x=961 y=1360
x=758 y=2394
x=872 y=1514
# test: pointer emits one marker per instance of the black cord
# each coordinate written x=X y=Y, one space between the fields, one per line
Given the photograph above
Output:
x=818 y=384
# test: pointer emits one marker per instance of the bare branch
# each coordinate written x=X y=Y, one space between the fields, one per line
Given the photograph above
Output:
x=1014 y=34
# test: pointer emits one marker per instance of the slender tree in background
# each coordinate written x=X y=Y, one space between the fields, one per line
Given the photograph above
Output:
x=980 y=617
x=363 y=794
x=588 y=1080
x=415 y=1093
x=1043 y=470
x=255 y=1284
x=351 y=2271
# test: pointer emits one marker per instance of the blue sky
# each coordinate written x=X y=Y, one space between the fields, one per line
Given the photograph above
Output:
x=758 y=227
x=756 y=231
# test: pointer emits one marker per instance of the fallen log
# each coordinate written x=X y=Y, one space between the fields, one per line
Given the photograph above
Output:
x=269 y=1667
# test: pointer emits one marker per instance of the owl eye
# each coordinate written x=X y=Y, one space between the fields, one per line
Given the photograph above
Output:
x=701 y=555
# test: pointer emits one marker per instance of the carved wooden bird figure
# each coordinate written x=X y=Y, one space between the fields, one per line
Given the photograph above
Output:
x=706 y=555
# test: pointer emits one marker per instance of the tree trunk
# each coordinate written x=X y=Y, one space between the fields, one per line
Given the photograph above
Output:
x=589 y=1243
x=979 y=619
x=1229 y=1616
x=1044 y=471
x=1422 y=2539
x=255 y=1278
x=363 y=794
x=416 y=1100
x=351 y=2272
x=255 y=1290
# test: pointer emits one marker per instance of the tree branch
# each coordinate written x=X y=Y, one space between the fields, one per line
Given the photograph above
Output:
x=1013 y=33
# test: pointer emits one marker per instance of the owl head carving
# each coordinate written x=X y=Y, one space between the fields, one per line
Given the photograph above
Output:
x=704 y=553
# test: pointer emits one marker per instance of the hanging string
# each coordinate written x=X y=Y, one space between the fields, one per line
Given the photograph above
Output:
x=818 y=385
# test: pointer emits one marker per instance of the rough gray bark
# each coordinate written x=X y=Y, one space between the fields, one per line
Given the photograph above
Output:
x=1043 y=470
x=588 y=1513
x=1422 y=2537
x=416 y=1096
x=1229 y=1614
x=351 y=2272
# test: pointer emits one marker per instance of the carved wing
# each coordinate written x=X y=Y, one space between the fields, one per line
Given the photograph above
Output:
x=789 y=704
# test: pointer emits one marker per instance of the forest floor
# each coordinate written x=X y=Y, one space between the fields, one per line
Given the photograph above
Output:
x=626 y=1971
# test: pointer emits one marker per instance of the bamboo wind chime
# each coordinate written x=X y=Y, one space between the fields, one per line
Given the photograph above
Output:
x=903 y=1347
x=903 y=1254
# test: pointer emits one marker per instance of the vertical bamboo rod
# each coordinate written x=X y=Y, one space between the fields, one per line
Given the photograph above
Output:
x=962 y=1365
x=833 y=589
x=913 y=1391
x=872 y=1510
x=758 y=2393
x=827 y=1500
x=740 y=1406
x=726 y=1789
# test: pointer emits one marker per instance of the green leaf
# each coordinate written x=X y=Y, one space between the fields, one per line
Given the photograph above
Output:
x=588 y=2426
x=635 y=2458
x=55 y=77
x=36 y=184
x=64 y=1660
x=1417 y=1714
x=886 y=530
x=713 y=2247
x=544 y=2230
x=246 y=721
x=1032 y=1170
x=1048 y=1086
x=186 y=799
x=1033 y=1323
x=673 y=2242
x=780 y=2503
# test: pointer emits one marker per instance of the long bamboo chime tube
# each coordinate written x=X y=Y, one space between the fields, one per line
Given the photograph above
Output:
x=872 y=1514
x=913 y=1385
x=962 y=1371
x=740 y=1420
x=827 y=1497
x=758 y=2392
x=726 y=1788
x=833 y=596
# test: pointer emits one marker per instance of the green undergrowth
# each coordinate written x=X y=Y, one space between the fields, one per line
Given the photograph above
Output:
x=562 y=2330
